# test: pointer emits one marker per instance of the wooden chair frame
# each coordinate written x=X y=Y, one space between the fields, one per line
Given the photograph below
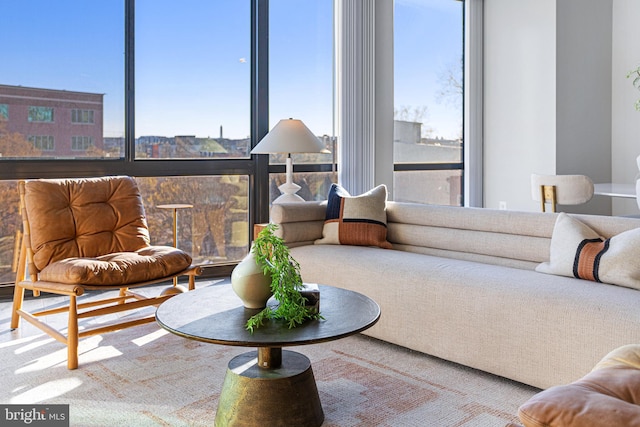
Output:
x=126 y=299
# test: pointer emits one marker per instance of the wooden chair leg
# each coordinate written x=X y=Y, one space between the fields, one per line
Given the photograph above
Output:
x=72 y=334
x=18 y=291
x=123 y=293
x=192 y=282
x=18 y=299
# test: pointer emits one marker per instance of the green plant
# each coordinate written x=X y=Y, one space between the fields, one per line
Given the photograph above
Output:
x=636 y=83
x=273 y=255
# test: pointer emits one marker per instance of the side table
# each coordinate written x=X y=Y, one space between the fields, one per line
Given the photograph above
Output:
x=174 y=207
x=268 y=386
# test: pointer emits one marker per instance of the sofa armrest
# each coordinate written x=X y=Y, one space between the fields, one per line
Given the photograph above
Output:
x=299 y=223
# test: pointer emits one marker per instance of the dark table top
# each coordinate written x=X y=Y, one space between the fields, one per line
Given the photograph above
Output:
x=215 y=314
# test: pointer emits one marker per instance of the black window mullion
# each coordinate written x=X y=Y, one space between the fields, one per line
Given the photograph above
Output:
x=129 y=81
x=259 y=182
x=398 y=167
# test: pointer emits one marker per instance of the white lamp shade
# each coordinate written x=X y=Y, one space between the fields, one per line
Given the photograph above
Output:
x=289 y=136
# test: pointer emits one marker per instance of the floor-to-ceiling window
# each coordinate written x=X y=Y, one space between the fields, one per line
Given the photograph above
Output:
x=180 y=104
x=428 y=97
x=150 y=88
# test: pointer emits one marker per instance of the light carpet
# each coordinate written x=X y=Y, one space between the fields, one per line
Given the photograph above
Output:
x=145 y=376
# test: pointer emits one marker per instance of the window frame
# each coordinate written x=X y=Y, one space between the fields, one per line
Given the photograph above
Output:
x=255 y=167
x=37 y=110
x=81 y=142
x=78 y=116
x=42 y=142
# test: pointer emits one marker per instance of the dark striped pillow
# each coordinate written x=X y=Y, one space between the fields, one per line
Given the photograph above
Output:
x=356 y=220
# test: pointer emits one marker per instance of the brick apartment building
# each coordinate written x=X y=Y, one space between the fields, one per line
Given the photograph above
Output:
x=60 y=123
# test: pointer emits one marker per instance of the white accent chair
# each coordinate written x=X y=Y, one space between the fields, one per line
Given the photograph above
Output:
x=561 y=190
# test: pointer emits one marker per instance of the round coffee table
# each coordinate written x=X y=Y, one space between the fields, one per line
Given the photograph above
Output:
x=268 y=386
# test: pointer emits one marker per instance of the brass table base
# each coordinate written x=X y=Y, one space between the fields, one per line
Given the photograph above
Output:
x=280 y=396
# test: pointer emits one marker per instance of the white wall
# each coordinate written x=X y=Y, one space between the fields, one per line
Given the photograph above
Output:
x=625 y=140
x=548 y=94
x=519 y=98
x=583 y=94
x=384 y=96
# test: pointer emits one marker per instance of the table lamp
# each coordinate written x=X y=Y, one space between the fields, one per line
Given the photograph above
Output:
x=289 y=136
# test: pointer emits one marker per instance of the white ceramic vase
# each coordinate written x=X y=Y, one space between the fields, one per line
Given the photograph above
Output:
x=250 y=283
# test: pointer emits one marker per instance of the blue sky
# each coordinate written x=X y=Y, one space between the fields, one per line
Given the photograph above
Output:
x=428 y=43
x=192 y=63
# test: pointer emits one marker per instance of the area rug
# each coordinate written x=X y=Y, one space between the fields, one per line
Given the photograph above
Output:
x=145 y=376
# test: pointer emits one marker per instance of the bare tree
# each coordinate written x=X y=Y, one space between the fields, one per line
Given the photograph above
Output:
x=451 y=85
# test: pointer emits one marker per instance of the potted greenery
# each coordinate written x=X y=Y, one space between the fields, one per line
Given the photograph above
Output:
x=636 y=82
x=273 y=255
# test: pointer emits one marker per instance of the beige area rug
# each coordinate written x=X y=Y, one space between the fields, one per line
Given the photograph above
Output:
x=145 y=376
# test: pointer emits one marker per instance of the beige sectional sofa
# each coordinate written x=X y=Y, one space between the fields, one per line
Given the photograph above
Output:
x=460 y=284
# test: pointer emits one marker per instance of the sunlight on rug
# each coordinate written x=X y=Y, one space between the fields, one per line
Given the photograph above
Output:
x=145 y=376
x=47 y=392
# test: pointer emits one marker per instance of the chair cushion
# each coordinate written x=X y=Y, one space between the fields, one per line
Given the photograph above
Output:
x=356 y=220
x=91 y=217
x=121 y=268
x=607 y=396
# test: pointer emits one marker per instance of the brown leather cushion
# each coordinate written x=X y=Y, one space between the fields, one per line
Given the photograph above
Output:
x=607 y=396
x=120 y=268
x=86 y=217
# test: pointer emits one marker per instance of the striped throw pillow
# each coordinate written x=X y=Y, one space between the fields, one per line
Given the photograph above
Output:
x=578 y=251
x=356 y=220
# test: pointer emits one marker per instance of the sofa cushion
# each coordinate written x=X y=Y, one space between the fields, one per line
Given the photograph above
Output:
x=475 y=314
x=356 y=220
x=578 y=251
x=122 y=268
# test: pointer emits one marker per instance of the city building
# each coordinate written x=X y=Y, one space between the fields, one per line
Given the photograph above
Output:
x=58 y=123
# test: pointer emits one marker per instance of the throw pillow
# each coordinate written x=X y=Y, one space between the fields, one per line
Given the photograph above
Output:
x=578 y=251
x=356 y=220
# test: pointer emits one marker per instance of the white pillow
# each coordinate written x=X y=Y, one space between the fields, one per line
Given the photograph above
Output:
x=578 y=251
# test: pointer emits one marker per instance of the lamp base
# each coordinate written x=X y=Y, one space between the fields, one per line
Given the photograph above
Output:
x=289 y=188
x=288 y=198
